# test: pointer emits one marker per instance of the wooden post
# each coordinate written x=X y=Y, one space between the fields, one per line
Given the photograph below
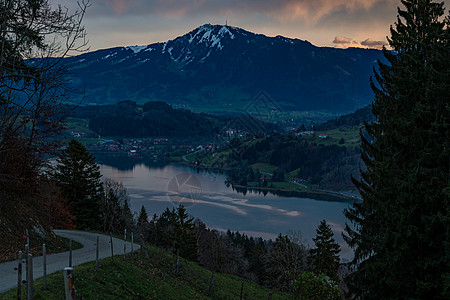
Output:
x=69 y=283
x=112 y=248
x=211 y=283
x=96 y=253
x=144 y=249
x=30 y=277
x=44 y=256
x=19 y=277
x=124 y=242
x=132 y=241
x=70 y=253
x=28 y=237
x=26 y=259
x=242 y=290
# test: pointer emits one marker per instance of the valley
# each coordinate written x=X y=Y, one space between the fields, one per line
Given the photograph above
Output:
x=316 y=163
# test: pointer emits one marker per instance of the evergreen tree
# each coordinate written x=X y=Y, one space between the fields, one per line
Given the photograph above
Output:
x=325 y=256
x=127 y=217
x=143 y=224
x=143 y=217
x=185 y=240
x=401 y=232
x=175 y=231
x=79 y=178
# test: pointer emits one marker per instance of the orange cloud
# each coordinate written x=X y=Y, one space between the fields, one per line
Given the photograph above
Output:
x=373 y=44
x=344 y=42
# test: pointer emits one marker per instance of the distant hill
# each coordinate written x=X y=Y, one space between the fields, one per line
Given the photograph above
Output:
x=159 y=119
x=218 y=68
x=349 y=120
x=127 y=119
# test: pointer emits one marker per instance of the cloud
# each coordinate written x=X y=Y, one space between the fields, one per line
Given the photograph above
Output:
x=344 y=42
x=281 y=10
x=373 y=44
x=129 y=22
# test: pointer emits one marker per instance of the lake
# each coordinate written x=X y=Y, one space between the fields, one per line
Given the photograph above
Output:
x=206 y=197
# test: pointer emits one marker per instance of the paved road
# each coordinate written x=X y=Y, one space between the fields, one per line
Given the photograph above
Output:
x=57 y=262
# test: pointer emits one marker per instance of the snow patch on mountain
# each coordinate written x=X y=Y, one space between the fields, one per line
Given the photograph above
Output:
x=136 y=49
x=109 y=55
x=224 y=30
x=210 y=34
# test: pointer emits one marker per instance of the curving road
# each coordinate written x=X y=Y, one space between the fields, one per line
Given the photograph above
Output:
x=57 y=262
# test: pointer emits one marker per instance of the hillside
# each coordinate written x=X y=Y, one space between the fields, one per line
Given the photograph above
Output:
x=221 y=68
x=138 y=278
x=155 y=119
x=356 y=118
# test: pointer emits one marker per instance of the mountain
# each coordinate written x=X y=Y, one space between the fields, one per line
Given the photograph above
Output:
x=218 y=68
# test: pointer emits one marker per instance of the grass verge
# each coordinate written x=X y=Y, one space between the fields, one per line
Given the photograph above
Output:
x=138 y=278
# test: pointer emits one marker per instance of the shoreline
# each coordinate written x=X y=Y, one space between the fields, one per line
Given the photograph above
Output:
x=316 y=195
x=323 y=195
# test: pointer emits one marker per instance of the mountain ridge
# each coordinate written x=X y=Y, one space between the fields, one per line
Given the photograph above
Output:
x=223 y=67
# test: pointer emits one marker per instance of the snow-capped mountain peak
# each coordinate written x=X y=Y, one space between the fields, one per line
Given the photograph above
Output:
x=211 y=35
x=136 y=49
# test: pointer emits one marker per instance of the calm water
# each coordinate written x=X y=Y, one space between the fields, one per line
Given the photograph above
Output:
x=206 y=197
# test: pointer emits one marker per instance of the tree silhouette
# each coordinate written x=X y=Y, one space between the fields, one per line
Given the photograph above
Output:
x=400 y=230
x=34 y=35
x=78 y=176
x=325 y=256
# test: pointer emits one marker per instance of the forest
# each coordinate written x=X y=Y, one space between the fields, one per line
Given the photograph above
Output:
x=126 y=119
x=327 y=166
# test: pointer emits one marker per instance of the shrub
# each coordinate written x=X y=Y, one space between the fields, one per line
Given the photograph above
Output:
x=311 y=286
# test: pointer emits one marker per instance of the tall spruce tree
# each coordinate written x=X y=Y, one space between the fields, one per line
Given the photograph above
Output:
x=143 y=224
x=401 y=229
x=142 y=220
x=185 y=240
x=79 y=178
x=325 y=256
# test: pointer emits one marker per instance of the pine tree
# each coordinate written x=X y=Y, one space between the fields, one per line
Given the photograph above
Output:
x=78 y=176
x=401 y=230
x=325 y=256
x=185 y=240
x=175 y=231
x=143 y=217
x=128 y=217
x=143 y=224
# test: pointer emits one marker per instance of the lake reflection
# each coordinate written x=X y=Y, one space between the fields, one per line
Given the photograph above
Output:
x=206 y=197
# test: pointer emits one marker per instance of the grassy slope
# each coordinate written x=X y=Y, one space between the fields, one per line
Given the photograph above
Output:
x=138 y=278
x=349 y=134
x=78 y=125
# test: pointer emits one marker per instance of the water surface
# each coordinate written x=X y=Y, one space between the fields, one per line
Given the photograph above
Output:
x=207 y=198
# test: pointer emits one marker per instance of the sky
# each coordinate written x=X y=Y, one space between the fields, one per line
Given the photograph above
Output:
x=331 y=23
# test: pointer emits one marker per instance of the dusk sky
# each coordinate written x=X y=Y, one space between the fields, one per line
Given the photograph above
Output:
x=333 y=23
